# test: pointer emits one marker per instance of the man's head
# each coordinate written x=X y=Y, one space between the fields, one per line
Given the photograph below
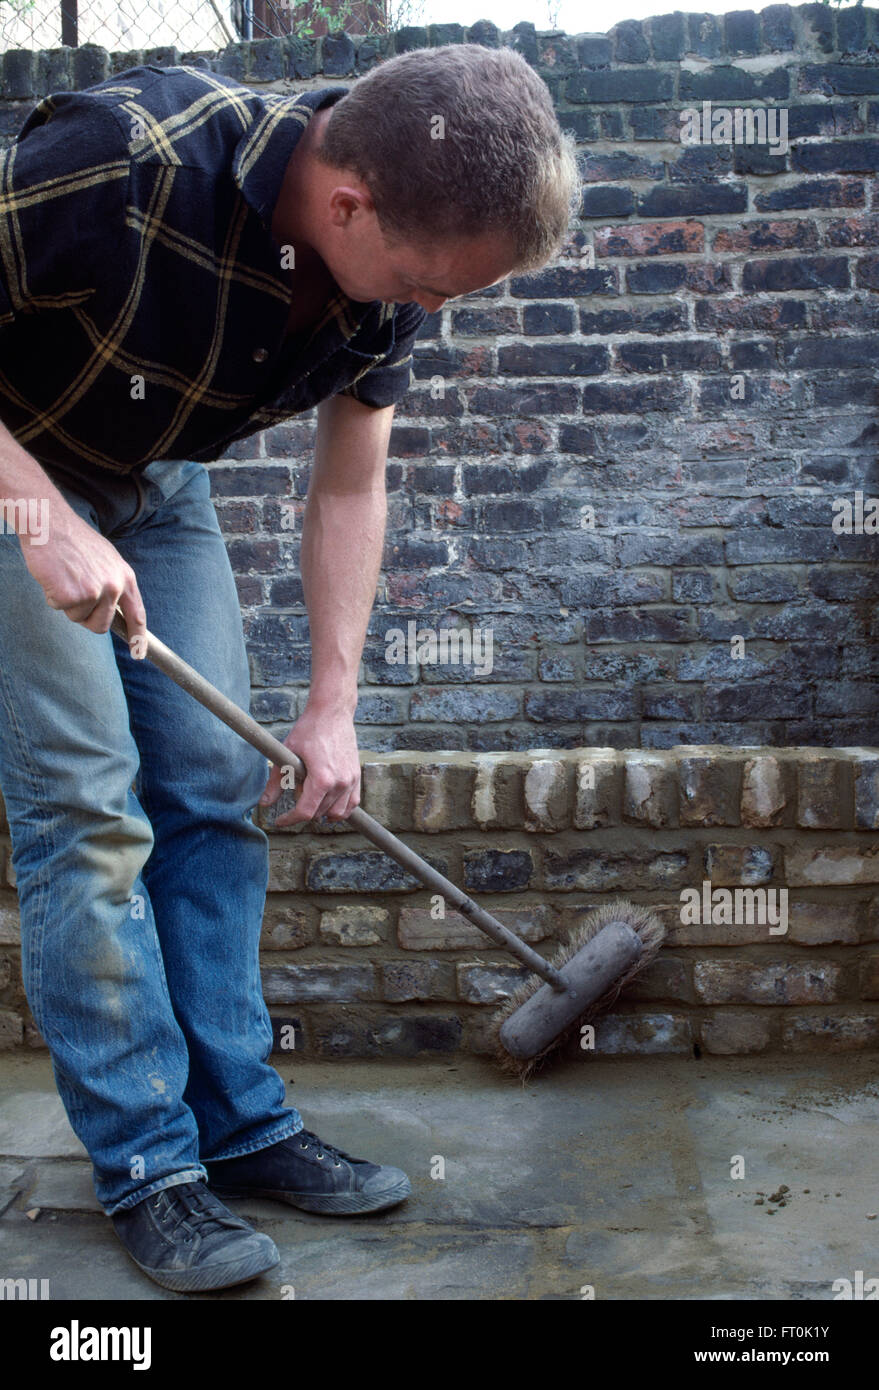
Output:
x=454 y=174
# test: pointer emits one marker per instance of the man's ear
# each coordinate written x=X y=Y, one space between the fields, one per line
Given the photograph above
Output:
x=346 y=200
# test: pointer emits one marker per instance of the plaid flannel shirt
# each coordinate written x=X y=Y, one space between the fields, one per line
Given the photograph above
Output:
x=143 y=303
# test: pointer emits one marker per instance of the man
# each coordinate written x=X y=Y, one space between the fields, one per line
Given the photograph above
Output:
x=184 y=262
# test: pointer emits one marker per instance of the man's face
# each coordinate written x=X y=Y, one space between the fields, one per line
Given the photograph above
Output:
x=366 y=265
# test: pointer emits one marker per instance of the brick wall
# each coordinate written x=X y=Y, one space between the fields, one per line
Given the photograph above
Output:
x=625 y=469
x=356 y=962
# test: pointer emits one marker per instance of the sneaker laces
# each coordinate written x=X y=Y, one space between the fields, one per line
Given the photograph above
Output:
x=195 y=1200
x=322 y=1147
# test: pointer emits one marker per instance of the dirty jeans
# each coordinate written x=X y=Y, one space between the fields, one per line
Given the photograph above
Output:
x=141 y=908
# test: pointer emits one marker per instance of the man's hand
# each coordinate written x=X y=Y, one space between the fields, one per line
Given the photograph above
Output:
x=327 y=744
x=83 y=575
x=79 y=571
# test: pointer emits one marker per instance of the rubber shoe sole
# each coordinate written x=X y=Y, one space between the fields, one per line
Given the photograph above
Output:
x=217 y=1276
x=329 y=1203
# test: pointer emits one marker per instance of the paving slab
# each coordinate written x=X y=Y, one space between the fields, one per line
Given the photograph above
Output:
x=618 y=1178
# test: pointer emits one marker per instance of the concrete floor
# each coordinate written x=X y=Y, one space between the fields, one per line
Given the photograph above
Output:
x=614 y=1174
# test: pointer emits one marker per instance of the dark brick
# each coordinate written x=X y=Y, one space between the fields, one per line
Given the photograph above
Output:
x=825 y=118
x=746 y=356
x=497 y=871
x=804 y=273
x=772 y=700
x=583 y=124
x=832 y=352
x=485 y=33
x=647 y=625
x=693 y=356
x=513 y=401
x=539 y=319
x=759 y=160
x=867 y=277
x=594 y=51
x=234 y=61
x=851 y=30
x=525 y=41
x=300 y=56
x=371 y=49
x=239 y=481
x=287 y=1034
x=339 y=55
x=852 y=231
x=400 y=1036
x=824 y=193
x=641 y=85
x=610 y=201
x=777 y=32
x=267 y=60
x=572 y=706
x=19 y=76
x=741 y=33
x=693 y=200
x=703 y=35
x=441 y=34
x=409 y=441
x=840 y=79
x=410 y=37
x=121 y=62
x=560 y=283
x=668 y=37
x=760 y=392
x=638 y=548
x=488 y=320
x=629 y=42
x=604 y=168
x=658 y=278
x=557 y=57
x=852 y=389
x=624 y=398
x=163 y=57
x=361 y=871
x=820 y=19
x=733 y=84
x=655 y=123
x=701 y=163
x=552 y=360
x=837 y=156
x=671 y=318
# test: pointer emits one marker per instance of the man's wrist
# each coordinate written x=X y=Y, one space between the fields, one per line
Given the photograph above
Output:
x=332 y=701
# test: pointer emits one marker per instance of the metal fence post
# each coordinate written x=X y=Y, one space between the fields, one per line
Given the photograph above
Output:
x=70 y=23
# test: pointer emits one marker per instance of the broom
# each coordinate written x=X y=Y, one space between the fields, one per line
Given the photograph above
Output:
x=649 y=930
x=607 y=951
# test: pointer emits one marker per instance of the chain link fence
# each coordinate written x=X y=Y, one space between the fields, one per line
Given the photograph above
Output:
x=189 y=25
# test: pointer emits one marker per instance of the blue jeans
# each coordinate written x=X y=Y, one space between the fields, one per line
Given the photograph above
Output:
x=141 y=908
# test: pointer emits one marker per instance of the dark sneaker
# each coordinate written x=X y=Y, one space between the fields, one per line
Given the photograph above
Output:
x=185 y=1239
x=310 y=1174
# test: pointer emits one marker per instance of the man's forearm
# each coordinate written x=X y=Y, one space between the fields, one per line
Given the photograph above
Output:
x=22 y=479
x=340 y=560
x=342 y=540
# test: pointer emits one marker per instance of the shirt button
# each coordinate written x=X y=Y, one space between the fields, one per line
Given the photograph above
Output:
x=260 y=354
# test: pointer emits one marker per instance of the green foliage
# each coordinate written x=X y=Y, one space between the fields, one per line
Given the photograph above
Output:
x=341 y=16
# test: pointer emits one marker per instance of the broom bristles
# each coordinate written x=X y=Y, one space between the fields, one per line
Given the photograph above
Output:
x=641 y=919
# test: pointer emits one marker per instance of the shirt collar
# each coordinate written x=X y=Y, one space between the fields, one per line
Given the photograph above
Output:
x=262 y=154
x=258 y=168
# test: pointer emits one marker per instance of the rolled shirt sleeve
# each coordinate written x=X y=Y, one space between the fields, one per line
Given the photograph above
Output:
x=388 y=381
